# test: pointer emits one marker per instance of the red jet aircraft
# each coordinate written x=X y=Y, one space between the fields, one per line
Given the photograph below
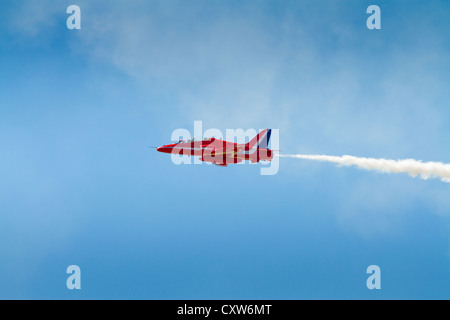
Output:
x=223 y=153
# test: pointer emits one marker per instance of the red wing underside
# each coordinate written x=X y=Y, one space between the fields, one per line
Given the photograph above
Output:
x=223 y=157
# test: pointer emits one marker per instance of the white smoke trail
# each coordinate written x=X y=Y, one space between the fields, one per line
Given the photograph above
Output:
x=414 y=168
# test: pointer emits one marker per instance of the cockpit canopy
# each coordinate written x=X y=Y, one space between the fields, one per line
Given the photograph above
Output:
x=194 y=139
x=185 y=141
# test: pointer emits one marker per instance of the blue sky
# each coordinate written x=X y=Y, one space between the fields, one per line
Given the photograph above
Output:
x=79 y=185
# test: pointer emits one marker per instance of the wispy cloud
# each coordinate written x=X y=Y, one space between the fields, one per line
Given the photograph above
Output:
x=34 y=18
x=311 y=69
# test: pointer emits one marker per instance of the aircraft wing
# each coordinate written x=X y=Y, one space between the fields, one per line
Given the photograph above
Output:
x=230 y=152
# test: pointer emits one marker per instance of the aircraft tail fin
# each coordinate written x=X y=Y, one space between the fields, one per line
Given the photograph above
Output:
x=261 y=140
